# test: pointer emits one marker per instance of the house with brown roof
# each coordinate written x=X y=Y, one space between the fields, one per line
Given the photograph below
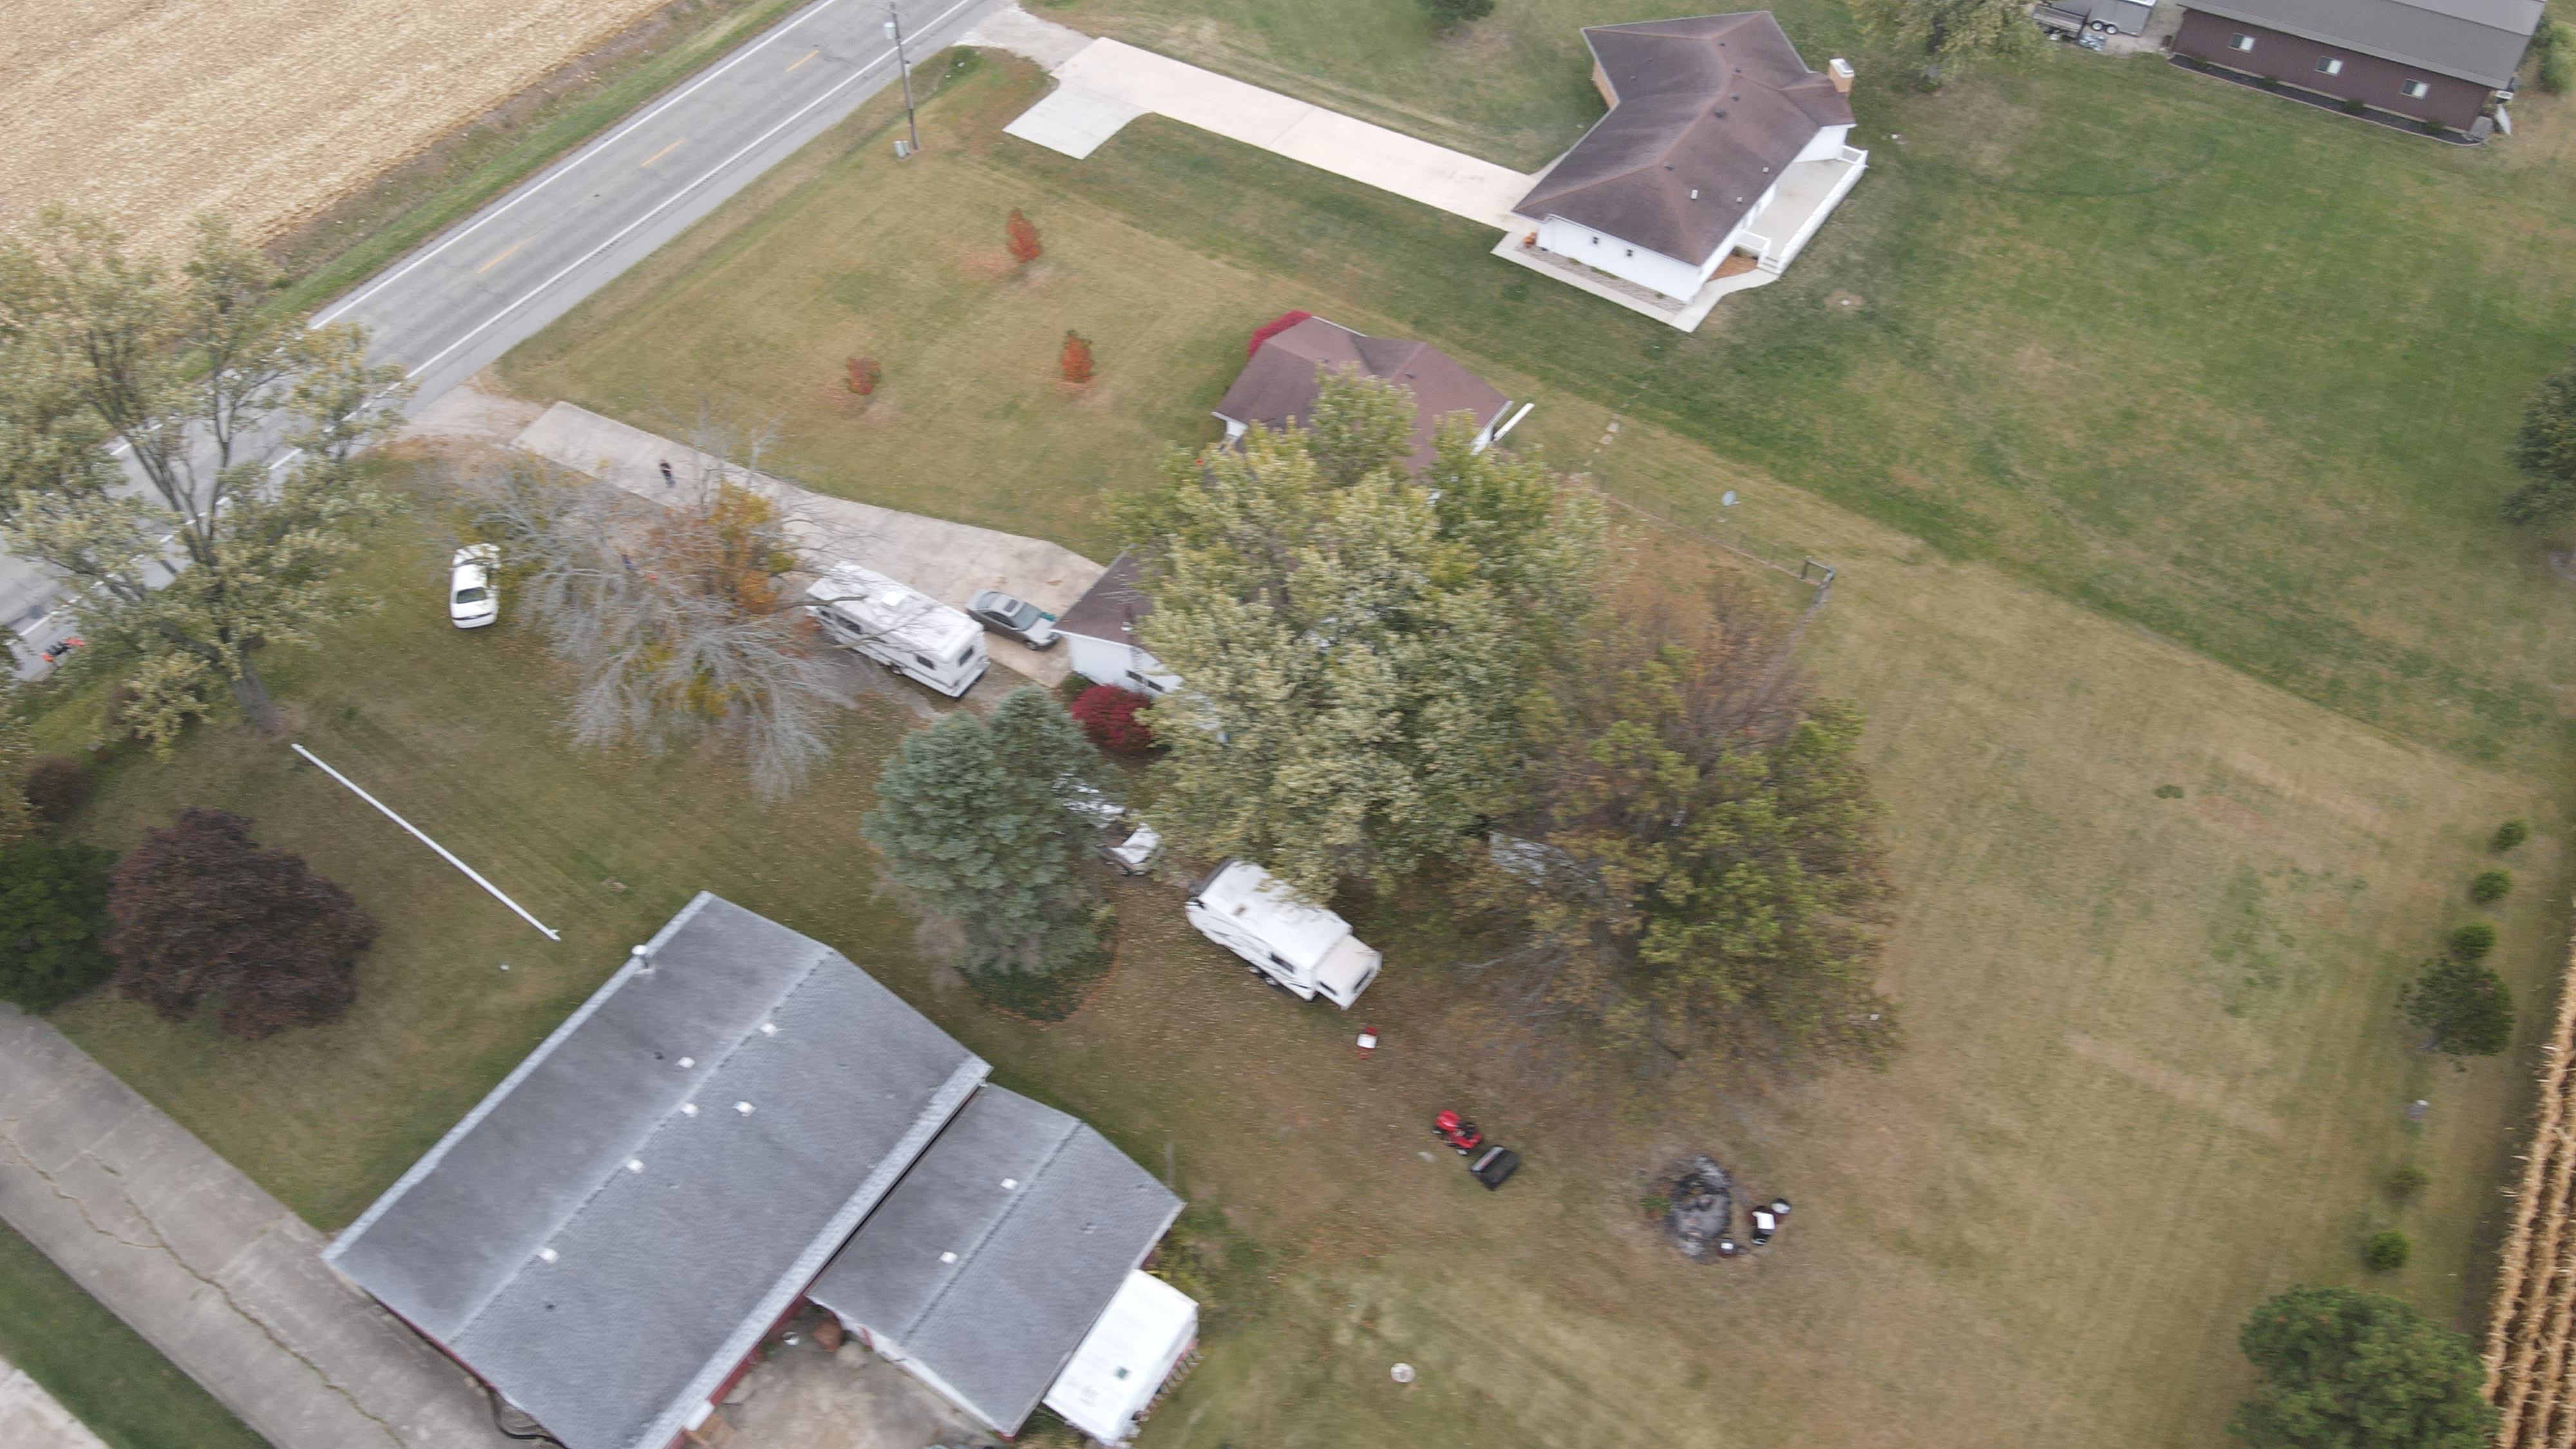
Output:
x=1720 y=158
x=2445 y=61
x=1277 y=388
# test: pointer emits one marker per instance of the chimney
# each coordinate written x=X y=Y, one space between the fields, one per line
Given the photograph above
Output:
x=1841 y=71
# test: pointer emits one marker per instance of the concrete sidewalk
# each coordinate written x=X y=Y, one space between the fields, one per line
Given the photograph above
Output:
x=30 y=1418
x=1104 y=84
x=948 y=561
x=215 y=1273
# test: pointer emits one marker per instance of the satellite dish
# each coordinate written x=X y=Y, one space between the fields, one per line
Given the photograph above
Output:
x=1729 y=499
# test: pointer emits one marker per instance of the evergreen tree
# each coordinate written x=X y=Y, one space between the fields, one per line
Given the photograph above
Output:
x=53 y=908
x=973 y=819
x=2344 y=1369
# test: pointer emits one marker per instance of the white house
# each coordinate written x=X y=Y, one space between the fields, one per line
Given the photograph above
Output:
x=1720 y=145
x=1100 y=633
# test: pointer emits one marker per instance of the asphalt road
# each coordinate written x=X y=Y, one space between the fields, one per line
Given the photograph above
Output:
x=449 y=309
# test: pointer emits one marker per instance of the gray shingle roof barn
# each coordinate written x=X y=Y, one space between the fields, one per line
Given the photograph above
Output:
x=985 y=1268
x=1710 y=109
x=2475 y=40
x=1277 y=388
x=608 y=1234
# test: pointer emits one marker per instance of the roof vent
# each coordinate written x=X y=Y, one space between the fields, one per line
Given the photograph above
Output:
x=743 y=1107
x=547 y=1254
x=948 y=1257
x=1694 y=193
x=688 y=1109
x=1009 y=1182
x=635 y=1164
x=686 y=1062
x=1719 y=113
x=770 y=1028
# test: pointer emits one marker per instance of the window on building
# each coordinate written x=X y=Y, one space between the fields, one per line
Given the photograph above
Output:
x=2240 y=42
x=2328 y=65
x=2414 y=90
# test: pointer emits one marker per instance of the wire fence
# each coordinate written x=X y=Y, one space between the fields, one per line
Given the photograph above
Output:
x=1709 y=524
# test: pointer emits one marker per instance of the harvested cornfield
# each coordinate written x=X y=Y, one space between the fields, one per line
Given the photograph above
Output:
x=2531 y=1341
x=265 y=111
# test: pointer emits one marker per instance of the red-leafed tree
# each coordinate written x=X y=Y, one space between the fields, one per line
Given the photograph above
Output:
x=1075 y=361
x=1023 y=233
x=201 y=912
x=865 y=374
x=1108 y=714
x=1273 y=328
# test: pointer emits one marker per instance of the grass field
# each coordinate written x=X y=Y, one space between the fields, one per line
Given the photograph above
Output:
x=99 y=1369
x=2153 y=1074
x=2118 y=335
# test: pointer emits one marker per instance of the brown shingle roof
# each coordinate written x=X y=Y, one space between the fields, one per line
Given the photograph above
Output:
x=1110 y=608
x=1716 y=104
x=1277 y=387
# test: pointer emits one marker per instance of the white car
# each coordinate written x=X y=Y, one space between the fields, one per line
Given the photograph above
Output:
x=472 y=599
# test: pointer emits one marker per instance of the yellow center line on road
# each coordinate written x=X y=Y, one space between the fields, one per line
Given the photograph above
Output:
x=665 y=151
x=800 y=60
x=503 y=257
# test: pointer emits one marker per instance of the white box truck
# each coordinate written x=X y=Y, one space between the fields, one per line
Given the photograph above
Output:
x=899 y=627
x=1304 y=948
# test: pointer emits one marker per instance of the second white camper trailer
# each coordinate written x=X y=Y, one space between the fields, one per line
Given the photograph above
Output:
x=1304 y=948
x=899 y=627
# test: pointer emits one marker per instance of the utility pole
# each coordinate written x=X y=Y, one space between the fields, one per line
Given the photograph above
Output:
x=894 y=32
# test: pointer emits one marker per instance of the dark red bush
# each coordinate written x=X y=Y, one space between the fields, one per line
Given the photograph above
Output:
x=1273 y=328
x=1108 y=714
x=55 y=787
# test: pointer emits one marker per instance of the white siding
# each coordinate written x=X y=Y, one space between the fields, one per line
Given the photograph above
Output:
x=1650 y=269
x=1827 y=145
x=1108 y=661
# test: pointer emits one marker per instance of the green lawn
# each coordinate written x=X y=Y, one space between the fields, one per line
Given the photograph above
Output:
x=2154 y=1071
x=97 y=1367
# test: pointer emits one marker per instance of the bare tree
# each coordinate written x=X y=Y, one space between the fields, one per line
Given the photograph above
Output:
x=215 y=557
x=678 y=619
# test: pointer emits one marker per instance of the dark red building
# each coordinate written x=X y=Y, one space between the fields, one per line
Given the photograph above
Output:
x=2436 y=60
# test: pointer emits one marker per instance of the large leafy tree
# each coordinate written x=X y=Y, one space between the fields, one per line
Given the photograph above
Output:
x=676 y=617
x=982 y=821
x=2344 y=1369
x=113 y=370
x=1947 y=36
x=1354 y=642
x=53 y=909
x=2464 y=1008
x=203 y=913
x=1695 y=855
x=2544 y=448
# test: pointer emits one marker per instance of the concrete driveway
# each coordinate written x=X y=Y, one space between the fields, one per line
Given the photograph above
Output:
x=30 y=1418
x=948 y=561
x=1103 y=84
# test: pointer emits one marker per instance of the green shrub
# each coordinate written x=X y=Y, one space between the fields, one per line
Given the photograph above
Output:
x=2407 y=1181
x=2269 y=82
x=2168 y=792
x=2465 y=1009
x=53 y=909
x=2356 y=107
x=2491 y=886
x=2473 y=941
x=2433 y=127
x=2557 y=71
x=2387 y=1251
x=2510 y=834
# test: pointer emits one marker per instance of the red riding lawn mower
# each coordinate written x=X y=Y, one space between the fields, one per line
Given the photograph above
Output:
x=1490 y=1165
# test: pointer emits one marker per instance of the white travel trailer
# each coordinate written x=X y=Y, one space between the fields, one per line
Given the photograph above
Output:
x=1304 y=948
x=899 y=627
